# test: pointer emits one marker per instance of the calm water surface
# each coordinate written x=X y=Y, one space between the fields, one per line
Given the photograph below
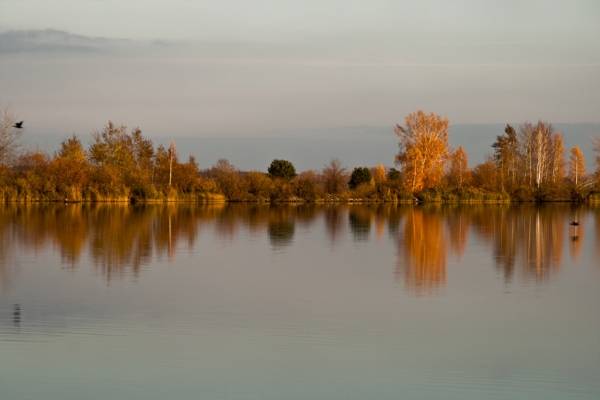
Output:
x=249 y=302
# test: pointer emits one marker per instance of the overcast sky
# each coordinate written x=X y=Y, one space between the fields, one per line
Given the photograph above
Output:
x=280 y=20
x=278 y=66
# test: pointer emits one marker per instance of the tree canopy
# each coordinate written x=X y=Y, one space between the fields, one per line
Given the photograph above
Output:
x=282 y=169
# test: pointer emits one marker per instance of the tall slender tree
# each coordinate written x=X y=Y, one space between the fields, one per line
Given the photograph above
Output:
x=506 y=157
x=459 y=168
x=557 y=159
x=172 y=157
x=576 y=165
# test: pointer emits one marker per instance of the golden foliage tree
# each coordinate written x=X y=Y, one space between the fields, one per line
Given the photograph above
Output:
x=70 y=166
x=379 y=174
x=556 y=165
x=458 y=173
x=576 y=165
x=423 y=149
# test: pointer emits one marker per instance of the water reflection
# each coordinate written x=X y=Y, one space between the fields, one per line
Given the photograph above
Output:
x=333 y=223
x=524 y=241
x=422 y=250
x=16 y=315
x=359 y=219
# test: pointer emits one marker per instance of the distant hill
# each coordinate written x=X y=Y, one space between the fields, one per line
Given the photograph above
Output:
x=51 y=40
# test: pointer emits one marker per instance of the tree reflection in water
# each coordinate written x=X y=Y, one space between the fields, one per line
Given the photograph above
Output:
x=359 y=218
x=422 y=250
x=527 y=241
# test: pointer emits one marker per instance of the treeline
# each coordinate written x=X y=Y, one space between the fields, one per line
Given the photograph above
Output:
x=526 y=164
x=119 y=165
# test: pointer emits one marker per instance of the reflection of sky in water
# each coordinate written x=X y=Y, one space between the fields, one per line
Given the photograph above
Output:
x=299 y=302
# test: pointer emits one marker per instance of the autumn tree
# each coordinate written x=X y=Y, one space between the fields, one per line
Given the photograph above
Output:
x=334 y=177
x=186 y=176
x=307 y=186
x=458 y=173
x=165 y=161
x=228 y=180
x=423 y=150
x=71 y=168
x=143 y=150
x=506 y=157
x=485 y=176
x=556 y=165
x=259 y=185
x=33 y=178
x=539 y=152
x=576 y=165
x=379 y=174
x=172 y=158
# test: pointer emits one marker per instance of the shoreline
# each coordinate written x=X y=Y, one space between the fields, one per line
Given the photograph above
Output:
x=300 y=202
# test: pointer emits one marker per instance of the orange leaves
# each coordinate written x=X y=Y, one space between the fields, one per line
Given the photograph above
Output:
x=459 y=170
x=423 y=150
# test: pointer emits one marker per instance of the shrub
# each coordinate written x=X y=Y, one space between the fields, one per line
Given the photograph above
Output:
x=307 y=186
x=364 y=191
x=259 y=185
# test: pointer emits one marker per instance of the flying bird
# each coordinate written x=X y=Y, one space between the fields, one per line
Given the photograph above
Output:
x=18 y=125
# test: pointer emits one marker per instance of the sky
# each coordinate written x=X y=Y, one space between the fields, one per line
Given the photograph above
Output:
x=281 y=20
x=279 y=68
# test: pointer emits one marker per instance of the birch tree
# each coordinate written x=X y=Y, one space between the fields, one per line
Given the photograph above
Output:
x=538 y=151
x=423 y=150
x=557 y=159
x=459 y=169
x=576 y=165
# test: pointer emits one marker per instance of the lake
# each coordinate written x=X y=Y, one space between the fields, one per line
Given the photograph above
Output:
x=299 y=302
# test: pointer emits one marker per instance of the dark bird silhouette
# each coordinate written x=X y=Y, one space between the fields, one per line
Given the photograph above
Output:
x=574 y=223
x=18 y=125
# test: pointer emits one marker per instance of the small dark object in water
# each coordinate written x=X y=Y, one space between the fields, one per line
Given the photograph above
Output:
x=16 y=314
x=18 y=125
x=574 y=223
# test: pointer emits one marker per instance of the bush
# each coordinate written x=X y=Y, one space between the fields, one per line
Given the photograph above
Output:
x=364 y=191
x=307 y=186
x=282 y=169
x=259 y=185
x=359 y=176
